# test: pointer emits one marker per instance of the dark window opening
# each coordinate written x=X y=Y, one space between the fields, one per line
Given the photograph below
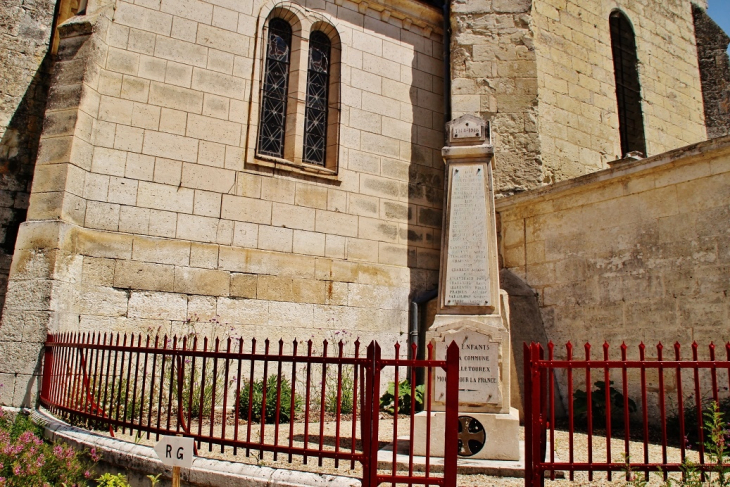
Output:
x=628 y=88
x=315 y=118
x=275 y=89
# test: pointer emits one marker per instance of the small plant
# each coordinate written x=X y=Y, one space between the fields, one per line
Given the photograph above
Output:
x=598 y=403
x=346 y=396
x=121 y=393
x=334 y=339
x=716 y=467
x=194 y=375
x=716 y=448
x=691 y=435
x=269 y=409
x=634 y=480
x=23 y=424
x=109 y=480
x=196 y=331
x=405 y=401
x=154 y=479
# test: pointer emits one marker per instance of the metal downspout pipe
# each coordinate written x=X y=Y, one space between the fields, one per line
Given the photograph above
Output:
x=414 y=324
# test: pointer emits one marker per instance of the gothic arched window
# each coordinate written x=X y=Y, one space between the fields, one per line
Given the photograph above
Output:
x=275 y=89
x=315 y=116
x=628 y=88
x=299 y=95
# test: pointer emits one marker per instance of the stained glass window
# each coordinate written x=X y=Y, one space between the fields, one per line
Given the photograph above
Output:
x=315 y=116
x=275 y=89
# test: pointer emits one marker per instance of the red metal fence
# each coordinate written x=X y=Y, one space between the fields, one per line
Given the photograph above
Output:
x=690 y=384
x=326 y=407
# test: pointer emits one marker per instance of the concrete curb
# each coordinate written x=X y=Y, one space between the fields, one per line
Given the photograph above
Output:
x=204 y=472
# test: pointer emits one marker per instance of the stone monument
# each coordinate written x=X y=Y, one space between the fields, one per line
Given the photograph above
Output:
x=471 y=309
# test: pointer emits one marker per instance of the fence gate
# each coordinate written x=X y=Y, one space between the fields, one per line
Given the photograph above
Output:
x=221 y=393
x=395 y=473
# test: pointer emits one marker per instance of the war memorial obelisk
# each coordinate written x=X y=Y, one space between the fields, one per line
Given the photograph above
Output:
x=471 y=309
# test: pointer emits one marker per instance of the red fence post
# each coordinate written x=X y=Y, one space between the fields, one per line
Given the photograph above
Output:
x=369 y=413
x=47 y=369
x=527 y=407
x=374 y=414
x=452 y=415
x=535 y=414
x=539 y=404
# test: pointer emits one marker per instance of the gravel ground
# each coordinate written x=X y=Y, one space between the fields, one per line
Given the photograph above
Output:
x=599 y=451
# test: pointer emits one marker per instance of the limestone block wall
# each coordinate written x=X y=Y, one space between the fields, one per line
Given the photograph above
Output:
x=493 y=70
x=578 y=120
x=25 y=30
x=149 y=213
x=638 y=252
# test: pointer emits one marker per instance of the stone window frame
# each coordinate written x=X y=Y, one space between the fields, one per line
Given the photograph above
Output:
x=303 y=22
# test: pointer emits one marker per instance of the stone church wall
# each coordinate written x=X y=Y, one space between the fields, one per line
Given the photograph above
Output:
x=149 y=214
x=578 y=121
x=542 y=72
x=638 y=252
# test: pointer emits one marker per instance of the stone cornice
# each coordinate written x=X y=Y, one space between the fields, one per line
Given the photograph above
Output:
x=410 y=12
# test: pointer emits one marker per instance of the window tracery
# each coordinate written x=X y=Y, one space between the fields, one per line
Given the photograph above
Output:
x=275 y=89
x=315 y=118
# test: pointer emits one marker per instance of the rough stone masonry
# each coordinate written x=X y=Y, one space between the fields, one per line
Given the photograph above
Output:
x=25 y=31
x=712 y=45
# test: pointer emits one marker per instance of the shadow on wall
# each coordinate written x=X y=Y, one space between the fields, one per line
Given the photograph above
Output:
x=426 y=180
x=526 y=326
x=18 y=151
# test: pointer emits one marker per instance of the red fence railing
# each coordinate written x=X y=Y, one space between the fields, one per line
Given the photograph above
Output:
x=628 y=397
x=220 y=393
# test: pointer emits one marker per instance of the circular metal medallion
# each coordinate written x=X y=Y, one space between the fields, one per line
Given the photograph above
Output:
x=471 y=436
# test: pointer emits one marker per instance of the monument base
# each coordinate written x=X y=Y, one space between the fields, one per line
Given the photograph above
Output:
x=501 y=435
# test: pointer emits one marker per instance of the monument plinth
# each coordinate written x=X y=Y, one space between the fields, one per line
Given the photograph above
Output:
x=471 y=309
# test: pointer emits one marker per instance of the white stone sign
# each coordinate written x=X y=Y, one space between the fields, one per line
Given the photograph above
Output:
x=467 y=266
x=176 y=451
x=479 y=381
x=467 y=129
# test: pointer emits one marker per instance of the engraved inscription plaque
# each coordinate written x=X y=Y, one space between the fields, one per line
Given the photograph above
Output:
x=467 y=130
x=478 y=369
x=467 y=265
